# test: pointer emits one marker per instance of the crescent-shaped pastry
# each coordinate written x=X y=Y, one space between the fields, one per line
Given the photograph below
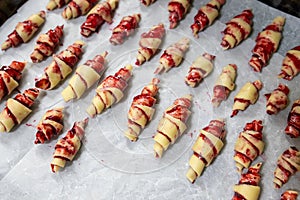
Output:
x=50 y=125
x=173 y=55
x=100 y=13
x=207 y=147
x=247 y=95
x=249 y=145
x=77 y=8
x=224 y=84
x=293 y=121
x=17 y=109
x=288 y=164
x=248 y=186
x=141 y=110
x=290 y=64
x=53 y=4
x=206 y=16
x=110 y=91
x=46 y=44
x=177 y=11
x=61 y=66
x=85 y=76
x=172 y=125
x=267 y=43
x=200 y=68
x=10 y=77
x=67 y=147
x=237 y=29
x=289 y=195
x=278 y=99
x=149 y=43
x=147 y=2
x=25 y=30
x=124 y=29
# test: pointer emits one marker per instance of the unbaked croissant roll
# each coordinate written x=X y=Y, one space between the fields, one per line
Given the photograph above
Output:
x=149 y=43
x=141 y=110
x=208 y=145
x=110 y=91
x=50 y=125
x=206 y=16
x=46 y=44
x=10 y=77
x=290 y=64
x=293 y=121
x=67 y=147
x=249 y=145
x=289 y=195
x=78 y=8
x=53 y=4
x=237 y=29
x=278 y=99
x=124 y=29
x=85 y=76
x=224 y=84
x=248 y=186
x=100 y=13
x=177 y=11
x=173 y=55
x=267 y=43
x=17 y=109
x=25 y=30
x=147 y=2
x=172 y=125
x=247 y=95
x=61 y=66
x=200 y=68
x=288 y=164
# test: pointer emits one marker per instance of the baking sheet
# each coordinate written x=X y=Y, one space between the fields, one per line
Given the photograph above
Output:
x=110 y=167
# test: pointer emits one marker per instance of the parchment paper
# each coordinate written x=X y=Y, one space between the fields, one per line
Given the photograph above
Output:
x=110 y=167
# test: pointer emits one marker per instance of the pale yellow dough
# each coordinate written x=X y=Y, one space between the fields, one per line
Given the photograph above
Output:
x=176 y=52
x=204 y=64
x=60 y=157
x=52 y=4
x=247 y=144
x=10 y=83
x=206 y=151
x=84 y=77
x=19 y=111
x=210 y=12
x=108 y=4
x=60 y=163
x=105 y=97
x=23 y=33
x=274 y=36
x=250 y=192
x=248 y=92
x=71 y=12
x=171 y=127
x=227 y=77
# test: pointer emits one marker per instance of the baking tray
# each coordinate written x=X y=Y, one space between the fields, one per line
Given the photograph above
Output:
x=108 y=166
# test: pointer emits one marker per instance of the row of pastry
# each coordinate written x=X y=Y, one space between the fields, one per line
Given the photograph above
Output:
x=267 y=41
x=249 y=145
x=64 y=62
x=237 y=29
x=209 y=143
x=84 y=77
x=116 y=94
